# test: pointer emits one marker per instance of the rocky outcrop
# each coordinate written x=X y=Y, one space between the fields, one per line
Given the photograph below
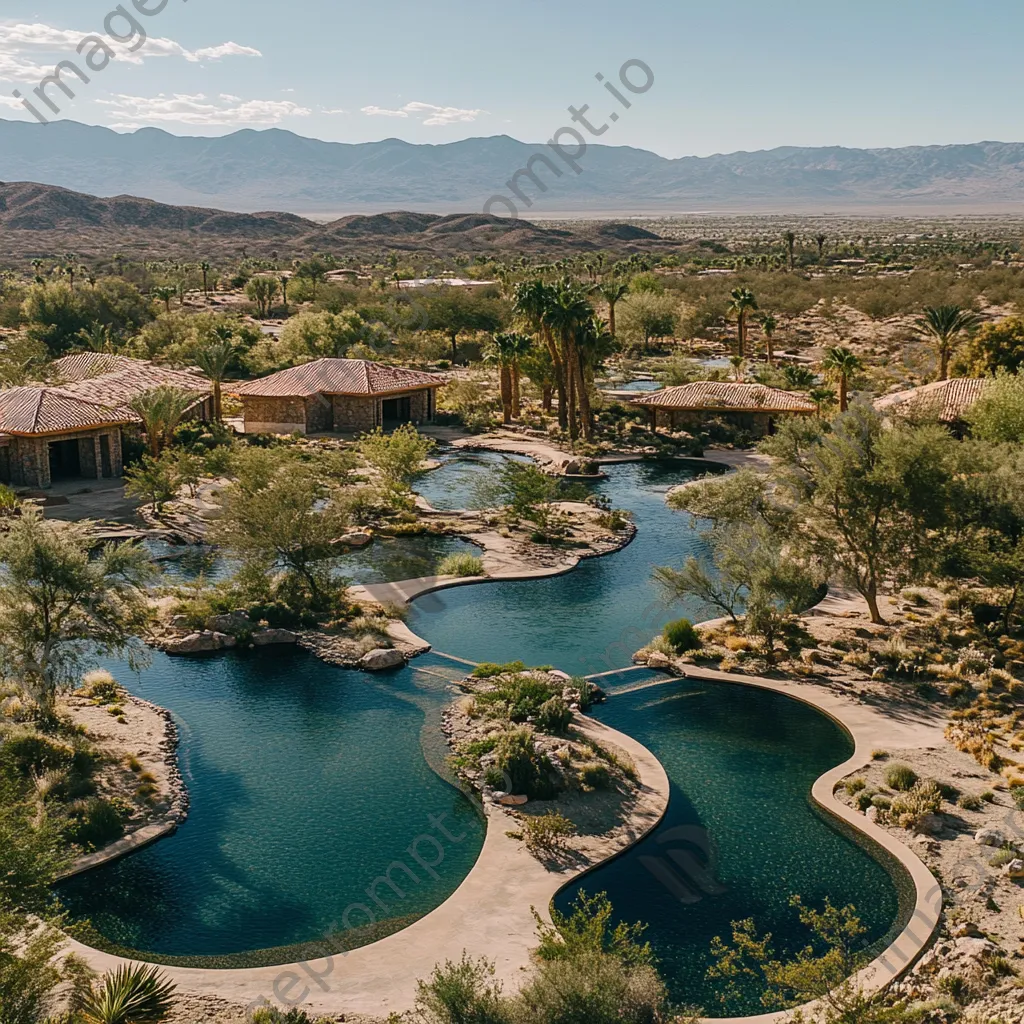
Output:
x=232 y=622
x=199 y=643
x=356 y=539
x=381 y=659
x=265 y=637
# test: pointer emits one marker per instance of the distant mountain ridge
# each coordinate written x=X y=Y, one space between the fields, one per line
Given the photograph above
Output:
x=38 y=219
x=252 y=170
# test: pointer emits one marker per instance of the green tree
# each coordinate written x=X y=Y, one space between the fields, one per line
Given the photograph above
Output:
x=944 y=326
x=320 y=335
x=645 y=316
x=59 y=607
x=54 y=316
x=313 y=272
x=286 y=511
x=995 y=346
x=155 y=480
x=215 y=360
x=398 y=456
x=769 y=325
x=262 y=290
x=841 y=365
x=530 y=303
x=790 y=239
x=164 y=293
x=204 y=269
x=566 y=313
x=458 y=310
x=742 y=305
x=161 y=410
x=502 y=352
x=613 y=292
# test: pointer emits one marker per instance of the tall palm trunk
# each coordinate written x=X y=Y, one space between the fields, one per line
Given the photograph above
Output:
x=843 y=398
x=546 y=398
x=505 y=385
x=943 y=361
x=216 y=401
x=611 y=318
x=586 y=415
x=741 y=334
x=568 y=361
x=516 y=392
x=560 y=384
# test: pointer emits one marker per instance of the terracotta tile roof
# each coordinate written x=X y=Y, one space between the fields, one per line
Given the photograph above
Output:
x=120 y=386
x=47 y=410
x=948 y=399
x=338 y=377
x=82 y=365
x=726 y=396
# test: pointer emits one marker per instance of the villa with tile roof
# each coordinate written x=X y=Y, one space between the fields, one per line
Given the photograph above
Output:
x=752 y=407
x=338 y=395
x=72 y=428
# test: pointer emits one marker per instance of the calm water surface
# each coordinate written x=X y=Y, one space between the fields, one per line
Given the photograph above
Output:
x=307 y=780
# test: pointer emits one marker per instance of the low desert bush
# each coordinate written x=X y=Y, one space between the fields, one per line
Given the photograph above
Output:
x=969 y=802
x=682 y=636
x=900 y=777
x=95 y=823
x=99 y=685
x=526 y=769
x=554 y=716
x=461 y=993
x=595 y=775
x=909 y=808
x=461 y=564
x=547 y=835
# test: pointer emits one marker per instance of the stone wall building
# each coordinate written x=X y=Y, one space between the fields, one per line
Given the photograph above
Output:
x=947 y=401
x=751 y=407
x=72 y=429
x=338 y=395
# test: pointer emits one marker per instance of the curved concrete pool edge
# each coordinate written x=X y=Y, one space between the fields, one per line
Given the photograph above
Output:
x=870 y=729
x=490 y=914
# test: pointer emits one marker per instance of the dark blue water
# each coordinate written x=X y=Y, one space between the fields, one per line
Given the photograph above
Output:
x=740 y=836
x=591 y=620
x=461 y=481
x=307 y=781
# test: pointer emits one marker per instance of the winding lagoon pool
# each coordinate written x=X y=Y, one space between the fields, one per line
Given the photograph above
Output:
x=308 y=780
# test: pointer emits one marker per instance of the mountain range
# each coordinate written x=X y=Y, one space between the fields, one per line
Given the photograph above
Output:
x=250 y=170
x=39 y=220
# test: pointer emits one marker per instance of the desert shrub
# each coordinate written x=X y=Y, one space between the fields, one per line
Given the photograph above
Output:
x=1003 y=856
x=527 y=771
x=101 y=686
x=95 y=823
x=879 y=755
x=518 y=697
x=461 y=564
x=910 y=807
x=1017 y=792
x=489 y=669
x=988 y=796
x=547 y=835
x=862 y=801
x=31 y=753
x=900 y=777
x=956 y=987
x=272 y=1015
x=554 y=716
x=883 y=803
x=595 y=775
x=682 y=636
x=584 y=691
x=594 y=988
x=8 y=500
x=854 y=785
x=462 y=993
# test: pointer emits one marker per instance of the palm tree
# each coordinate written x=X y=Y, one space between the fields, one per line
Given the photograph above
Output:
x=790 y=239
x=769 y=325
x=743 y=302
x=161 y=410
x=737 y=363
x=798 y=377
x=284 y=291
x=521 y=345
x=206 y=268
x=164 y=294
x=214 y=361
x=530 y=302
x=822 y=397
x=568 y=309
x=133 y=994
x=502 y=351
x=97 y=338
x=821 y=240
x=944 y=325
x=70 y=269
x=841 y=364
x=613 y=292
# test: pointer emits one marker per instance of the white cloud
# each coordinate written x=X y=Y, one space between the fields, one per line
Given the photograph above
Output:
x=198 y=109
x=428 y=113
x=324 y=110
x=11 y=101
x=17 y=40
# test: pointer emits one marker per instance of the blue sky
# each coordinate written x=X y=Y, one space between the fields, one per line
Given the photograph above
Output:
x=729 y=74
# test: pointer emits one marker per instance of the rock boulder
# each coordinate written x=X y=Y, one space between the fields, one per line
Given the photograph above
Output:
x=382 y=658
x=274 y=636
x=200 y=643
x=232 y=622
